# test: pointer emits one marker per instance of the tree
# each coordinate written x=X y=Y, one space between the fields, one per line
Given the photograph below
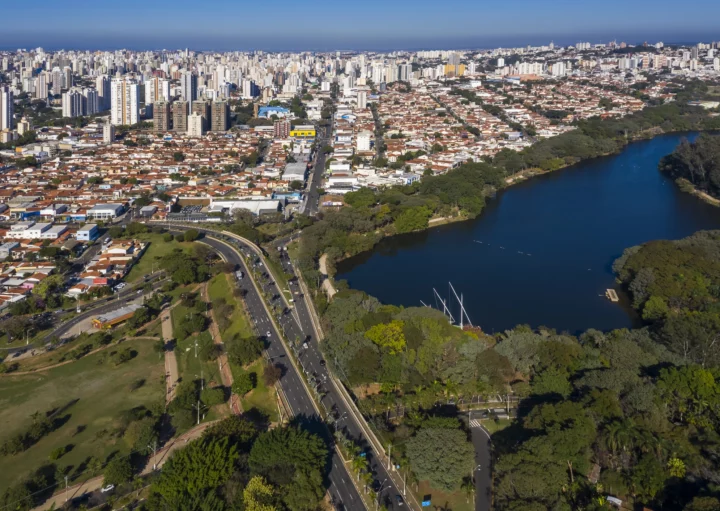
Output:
x=271 y=374
x=258 y=495
x=244 y=383
x=141 y=434
x=191 y=235
x=296 y=185
x=244 y=350
x=294 y=459
x=168 y=237
x=193 y=474
x=118 y=471
x=442 y=456
x=178 y=156
x=212 y=396
x=413 y=219
x=647 y=478
x=388 y=336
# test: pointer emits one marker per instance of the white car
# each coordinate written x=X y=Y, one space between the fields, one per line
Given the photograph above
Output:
x=267 y=334
x=109 y=487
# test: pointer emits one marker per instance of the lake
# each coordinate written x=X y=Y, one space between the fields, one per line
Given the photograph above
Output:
x=541 y=252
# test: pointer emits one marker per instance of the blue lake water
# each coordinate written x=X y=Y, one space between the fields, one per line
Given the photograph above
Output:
x=541 y=251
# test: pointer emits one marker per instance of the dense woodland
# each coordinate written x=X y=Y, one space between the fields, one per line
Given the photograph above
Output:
x=697 y=162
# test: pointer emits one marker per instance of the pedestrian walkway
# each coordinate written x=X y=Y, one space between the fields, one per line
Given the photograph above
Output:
x=171 y=367
x=474 y=423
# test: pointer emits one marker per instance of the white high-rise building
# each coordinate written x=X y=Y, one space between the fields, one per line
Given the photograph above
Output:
x=41 y=86
x=195 y=125
x=124 y=102
x=362 y=99
x=156 y=89
x=91 y=101
x=7 y=108
x=72 y=103
x=108 y=133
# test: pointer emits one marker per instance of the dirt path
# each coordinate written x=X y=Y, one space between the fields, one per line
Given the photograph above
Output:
x=94 y=484
x=171 y=367
x=225 y=372
x=326 y=284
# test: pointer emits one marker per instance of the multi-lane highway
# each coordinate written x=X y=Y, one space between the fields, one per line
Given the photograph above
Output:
x=312 y=196
x=298 y=327
x=342 y=490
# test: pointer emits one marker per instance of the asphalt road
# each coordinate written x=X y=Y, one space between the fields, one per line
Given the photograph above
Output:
x=298 y=326
x=483 y=467
x=341 y=488
x=312 y=196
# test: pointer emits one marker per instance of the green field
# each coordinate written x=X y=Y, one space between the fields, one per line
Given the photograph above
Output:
x=102 y=391
x=191 y=367
x=456 y=501
x=156 y=250
x=239 y=322
x=261 y=397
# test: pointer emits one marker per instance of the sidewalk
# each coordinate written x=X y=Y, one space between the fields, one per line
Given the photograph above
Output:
x=95 y=483
x=171 y=367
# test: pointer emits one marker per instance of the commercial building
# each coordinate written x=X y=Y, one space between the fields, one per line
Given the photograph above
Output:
x=124 y=102
x=105 y=211
x=196 y=125
x=220 y=116
x=161 y=117
x=305 y=131
x=115 y=317
x=88 y=232
x=180 y=116
x=102 y=86
x=363 y=140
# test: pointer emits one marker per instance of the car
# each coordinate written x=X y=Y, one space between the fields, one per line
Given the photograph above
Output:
x=322 y=362
x=305 y=345
x=108 y=488
x=139 y=291
x=399 y=500
x=267 y=334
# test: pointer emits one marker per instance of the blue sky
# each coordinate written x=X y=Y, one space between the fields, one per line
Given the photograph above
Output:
x=338 y=24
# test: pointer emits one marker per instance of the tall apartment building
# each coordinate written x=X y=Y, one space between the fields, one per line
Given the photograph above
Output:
x=41 y=86
x=220 y=116
x=188 y=87
x=282 y=129
x=179 y=116
x=7 y=108
x=108 y=133
x=161 y=116
x=156 y=89
x=102 y=85
x=124 y=102
x=196 y=125
x=72 y=103
x=202 y=108
x=362 y=99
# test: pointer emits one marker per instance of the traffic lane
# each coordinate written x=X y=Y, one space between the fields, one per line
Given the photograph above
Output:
x=312 y=363
x=483 y=468
x=291 y=385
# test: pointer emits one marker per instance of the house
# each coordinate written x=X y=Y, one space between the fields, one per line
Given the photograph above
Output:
x=88 y=232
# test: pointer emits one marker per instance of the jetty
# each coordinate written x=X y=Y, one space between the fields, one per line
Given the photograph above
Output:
x=612 y=295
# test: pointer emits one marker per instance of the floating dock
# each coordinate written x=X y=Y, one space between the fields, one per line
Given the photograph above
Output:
x=612 y=295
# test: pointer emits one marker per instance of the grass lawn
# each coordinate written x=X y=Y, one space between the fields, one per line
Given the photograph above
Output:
x=261 y=397
x=495 y=425
x=457 y=500
x=239 y=322
x=157 y=249
x=190 y=367
x=102 y=391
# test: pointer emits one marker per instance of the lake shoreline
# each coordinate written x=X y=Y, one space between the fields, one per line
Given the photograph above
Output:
x=515 y=179
x=541 y=252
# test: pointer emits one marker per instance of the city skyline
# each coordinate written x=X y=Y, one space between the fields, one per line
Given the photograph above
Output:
x=325 y=26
